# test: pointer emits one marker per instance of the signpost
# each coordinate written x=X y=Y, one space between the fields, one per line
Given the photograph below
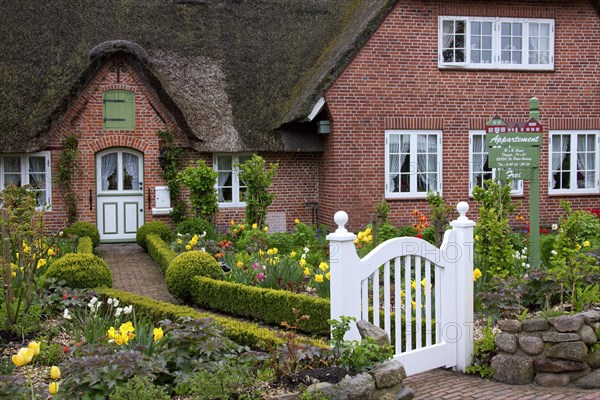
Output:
x=514 y=150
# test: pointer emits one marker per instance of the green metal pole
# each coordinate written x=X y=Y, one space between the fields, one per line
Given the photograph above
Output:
x=534 y=218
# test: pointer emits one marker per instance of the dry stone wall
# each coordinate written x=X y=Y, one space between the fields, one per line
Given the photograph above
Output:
x=555 y=352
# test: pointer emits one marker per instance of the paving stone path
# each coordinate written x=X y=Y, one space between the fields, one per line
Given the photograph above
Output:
x=134 y=271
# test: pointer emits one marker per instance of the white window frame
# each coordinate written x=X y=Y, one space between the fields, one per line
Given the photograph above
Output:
x=573 y=162
x=413 y=134
x=496 y=44
x=24 y=159
x=235 y=179
x=517 y=189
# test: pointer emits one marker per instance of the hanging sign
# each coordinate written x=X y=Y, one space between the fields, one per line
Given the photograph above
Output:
x=514 y=157
x=513 y=139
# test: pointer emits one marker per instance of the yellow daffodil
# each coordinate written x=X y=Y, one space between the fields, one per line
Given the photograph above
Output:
x=303 y=262
x=296 y=221
x=476 y=274
x=476 y=237
x=414 y=304
x=35 y=346
x=413 y=284
x=356 y=241
x=306 y=272
x=402 y=293
x=578 y=247
x=328 y=275
x=293 y=254
x=41 y=262
x=23 y=357
x=266 y=229
x=323 y=266
x=51 y=252
x=179 y=241
x=53 y=388
x=55 y=372
x=318 y=278
x=239 y=264
x=586 y=243
x=13 y=274
x=188 y=247
x=260 y=252
x=111 y=333
x=158 y=334
x=254 y=226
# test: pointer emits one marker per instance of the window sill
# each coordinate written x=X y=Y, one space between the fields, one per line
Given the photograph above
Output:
x=495 y=68
x=571 y=194
x=232 y=205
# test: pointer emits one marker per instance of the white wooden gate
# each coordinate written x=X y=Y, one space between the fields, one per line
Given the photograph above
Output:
x=427 y=293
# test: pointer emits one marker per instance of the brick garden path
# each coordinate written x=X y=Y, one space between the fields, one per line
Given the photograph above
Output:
x=134 y=271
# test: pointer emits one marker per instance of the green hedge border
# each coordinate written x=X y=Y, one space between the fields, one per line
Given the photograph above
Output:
x=85 y=245
x=244 y=333
x=268 y=306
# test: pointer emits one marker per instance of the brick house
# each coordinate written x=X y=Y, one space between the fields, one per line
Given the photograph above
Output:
x=356 y=101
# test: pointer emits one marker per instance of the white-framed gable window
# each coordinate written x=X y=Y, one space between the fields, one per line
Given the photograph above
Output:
x=495 y=43
x=479 y=169
x=230 y=188
x=28 y=169
x=574 y=160
x=413 y=163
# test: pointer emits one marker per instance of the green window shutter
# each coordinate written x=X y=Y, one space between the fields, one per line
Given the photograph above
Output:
x=119 y=110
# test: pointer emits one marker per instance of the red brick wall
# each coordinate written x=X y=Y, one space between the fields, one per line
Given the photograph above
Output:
x=395 y=83
x=84 y=118
x=295 y=184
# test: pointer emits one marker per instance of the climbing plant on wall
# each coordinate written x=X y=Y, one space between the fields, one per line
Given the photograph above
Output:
x=171 y=161
x=65 y=168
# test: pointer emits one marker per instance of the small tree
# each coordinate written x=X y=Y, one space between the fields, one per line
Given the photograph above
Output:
x=258 y=180
x=439 y=214
x=200 y=180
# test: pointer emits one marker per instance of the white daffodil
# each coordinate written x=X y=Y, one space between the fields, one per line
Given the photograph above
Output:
x=128 y=310
x=66 y=314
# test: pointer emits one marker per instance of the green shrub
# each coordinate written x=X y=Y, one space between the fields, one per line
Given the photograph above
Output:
x=282 y=241
x=157 y=227
x=185 y=267
x=387 y=231
x=85 y=245
x=83 y=229
x=196 y=226
x=81 y=271
x=140 y=388
x=244 y=333
x=160 y=251
x=407 y=231
x=270 y=306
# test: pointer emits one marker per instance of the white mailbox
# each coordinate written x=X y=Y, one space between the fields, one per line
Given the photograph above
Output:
x=162 y=201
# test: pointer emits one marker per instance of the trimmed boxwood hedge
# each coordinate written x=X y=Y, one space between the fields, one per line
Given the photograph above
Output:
x=157 y=227
x=83 y=229
x=85 y=245
x=160 y=251
x=81 y=271
x=266 y=305
x=244 y=333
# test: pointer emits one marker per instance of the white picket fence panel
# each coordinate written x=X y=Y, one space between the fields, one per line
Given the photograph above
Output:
x=444 y=301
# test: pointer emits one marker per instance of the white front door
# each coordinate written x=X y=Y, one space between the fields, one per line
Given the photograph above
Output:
x=120 y=194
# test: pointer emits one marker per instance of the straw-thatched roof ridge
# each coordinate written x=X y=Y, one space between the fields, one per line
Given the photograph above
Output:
x=232 y=72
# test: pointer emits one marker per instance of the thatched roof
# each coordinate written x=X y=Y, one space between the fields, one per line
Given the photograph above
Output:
x=236 y=74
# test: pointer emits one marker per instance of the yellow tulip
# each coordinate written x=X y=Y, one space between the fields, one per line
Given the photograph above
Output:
x=53 y=388
x=35 y=346
x=23 y=357
x=158 y=334
x=55 y=372
x=231 y=223
x=266 y=229
x=239 y=264
x=296 y=221
x=254 y=226
x=242 y=227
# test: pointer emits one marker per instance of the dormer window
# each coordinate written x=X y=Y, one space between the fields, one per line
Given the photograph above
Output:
x=118 y=110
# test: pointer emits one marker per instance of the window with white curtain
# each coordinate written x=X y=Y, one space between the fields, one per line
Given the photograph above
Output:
x=495 y=43
x=479 y=169
x=573 y=162
x=28 y=169
x=413 y=162
x=230 y=188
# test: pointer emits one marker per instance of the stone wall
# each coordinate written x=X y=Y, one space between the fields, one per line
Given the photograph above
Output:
x=554 y=352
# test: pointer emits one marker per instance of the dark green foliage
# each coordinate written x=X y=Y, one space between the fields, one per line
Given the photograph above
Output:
x=85 y=245
x=196 y=226
x=160 y=251
x=282 y=241
x=267 y=305
x=440 y=215
x=65 y=167
x=159 y=228
x=258 y=181
x=200 y=179
x=173 y=160
x=429 y=235
x=81 y=271
x=387 y=231
x=83 y=228
x=226 y=381
x=484 y=350
x=140 y=388
x=185 y=267
x=407 y=231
